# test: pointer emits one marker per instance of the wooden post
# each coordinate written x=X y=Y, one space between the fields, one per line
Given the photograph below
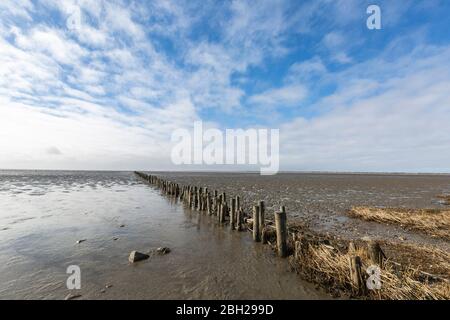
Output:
x=190 y=198
x=224 y=212
x=219 y=212
x=262 y=219
x=202 y=201
x=197 y=201
x=355 y=274
x=256 y=231
x=264 y=234
x=208 y=203
x=194 y=200
x=239 y=219
x=215 y=203
x=376 y=255
x=233 y=214
x=280 y=225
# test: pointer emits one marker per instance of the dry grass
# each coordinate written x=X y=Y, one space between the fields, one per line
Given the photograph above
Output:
x=329 y=266
x=428 y=259
x=435 y=222
x=411 y=272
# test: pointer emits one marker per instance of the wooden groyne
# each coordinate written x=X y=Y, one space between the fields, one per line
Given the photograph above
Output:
x=338 y=265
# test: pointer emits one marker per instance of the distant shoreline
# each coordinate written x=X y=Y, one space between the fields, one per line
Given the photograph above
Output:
x=381 y=173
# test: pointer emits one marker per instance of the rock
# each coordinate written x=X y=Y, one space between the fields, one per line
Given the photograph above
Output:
x=136 y=256
x=108 y=286
x=115 y=238
x=72 y=296
x=121 y=226
x=80 y=241
x=163 y=250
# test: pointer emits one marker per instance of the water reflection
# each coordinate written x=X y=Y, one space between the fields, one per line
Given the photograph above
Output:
x=115 y=213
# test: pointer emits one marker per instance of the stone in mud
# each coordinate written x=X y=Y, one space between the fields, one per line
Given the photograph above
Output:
x=136 y=256
x=80 y=241
x=163 y=250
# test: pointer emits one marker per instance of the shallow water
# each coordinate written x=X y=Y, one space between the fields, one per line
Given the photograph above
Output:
x=44 y=214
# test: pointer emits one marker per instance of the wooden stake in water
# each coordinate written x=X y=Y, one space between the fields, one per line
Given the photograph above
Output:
x=280 y=225
x=233 y=214
x=262 y=219
x=256 y=224
x=208 y=204
x=239 y=219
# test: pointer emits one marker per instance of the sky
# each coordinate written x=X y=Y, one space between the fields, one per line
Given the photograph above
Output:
x=108 y=92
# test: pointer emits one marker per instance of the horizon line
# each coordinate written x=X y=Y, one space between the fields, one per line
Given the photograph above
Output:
x=238 y=171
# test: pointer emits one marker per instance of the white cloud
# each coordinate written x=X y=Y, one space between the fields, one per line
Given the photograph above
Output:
x=51 y=42
x=288 y=96
x=373 y=124
x=16 y=8
x=306 y=69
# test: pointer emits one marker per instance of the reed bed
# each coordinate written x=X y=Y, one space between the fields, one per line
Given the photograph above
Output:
x=434 y=222
x=329 y=266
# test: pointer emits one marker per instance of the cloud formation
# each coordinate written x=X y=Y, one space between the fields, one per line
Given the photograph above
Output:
x=109 y=93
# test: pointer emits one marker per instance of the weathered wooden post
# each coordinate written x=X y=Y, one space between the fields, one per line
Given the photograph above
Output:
x=197 y=201
x=280 y=225
x=202 y=201
x=208 y=204
x=224 y=198
x=256 y=231
x=264 y=234
x=215 y=203
x=195 y=198
x=224 y=212
x=262 y=218
x=355 y=274
x=233 y=214
x=189 y=199
x=239 y=219
x=376 y=255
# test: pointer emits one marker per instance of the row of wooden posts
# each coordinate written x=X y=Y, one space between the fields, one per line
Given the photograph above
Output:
x=216 y=205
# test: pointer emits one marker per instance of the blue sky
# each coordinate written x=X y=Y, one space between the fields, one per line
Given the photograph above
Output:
x=109 y=93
